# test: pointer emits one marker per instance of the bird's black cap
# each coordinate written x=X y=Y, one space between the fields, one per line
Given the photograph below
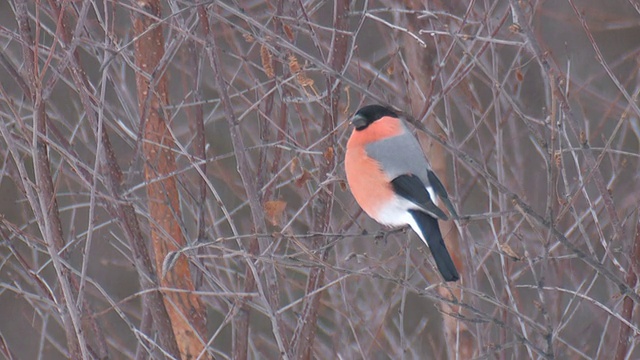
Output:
x=370 y=113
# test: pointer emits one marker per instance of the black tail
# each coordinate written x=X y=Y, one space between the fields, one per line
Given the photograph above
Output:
x=433 y=237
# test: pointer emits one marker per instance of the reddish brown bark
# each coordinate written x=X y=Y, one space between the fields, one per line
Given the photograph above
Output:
x=184 y=307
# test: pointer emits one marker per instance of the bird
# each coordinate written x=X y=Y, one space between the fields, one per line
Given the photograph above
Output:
x=392 y=181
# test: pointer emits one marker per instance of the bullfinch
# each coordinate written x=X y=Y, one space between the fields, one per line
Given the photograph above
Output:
x=392 y=181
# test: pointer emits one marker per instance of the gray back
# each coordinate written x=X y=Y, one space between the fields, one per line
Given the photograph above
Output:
x=400 y=155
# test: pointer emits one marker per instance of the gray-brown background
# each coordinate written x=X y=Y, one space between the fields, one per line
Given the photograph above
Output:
x=539 y=115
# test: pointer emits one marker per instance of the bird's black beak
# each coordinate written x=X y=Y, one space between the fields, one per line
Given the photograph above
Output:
x=359 y=121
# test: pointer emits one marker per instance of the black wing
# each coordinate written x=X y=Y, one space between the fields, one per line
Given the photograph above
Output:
x=439 y=189
x=410 y=187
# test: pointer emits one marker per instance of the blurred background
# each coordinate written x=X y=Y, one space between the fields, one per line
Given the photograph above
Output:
x=527 y=111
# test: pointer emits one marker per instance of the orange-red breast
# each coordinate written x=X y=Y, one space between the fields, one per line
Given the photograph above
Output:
x=392 y=181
